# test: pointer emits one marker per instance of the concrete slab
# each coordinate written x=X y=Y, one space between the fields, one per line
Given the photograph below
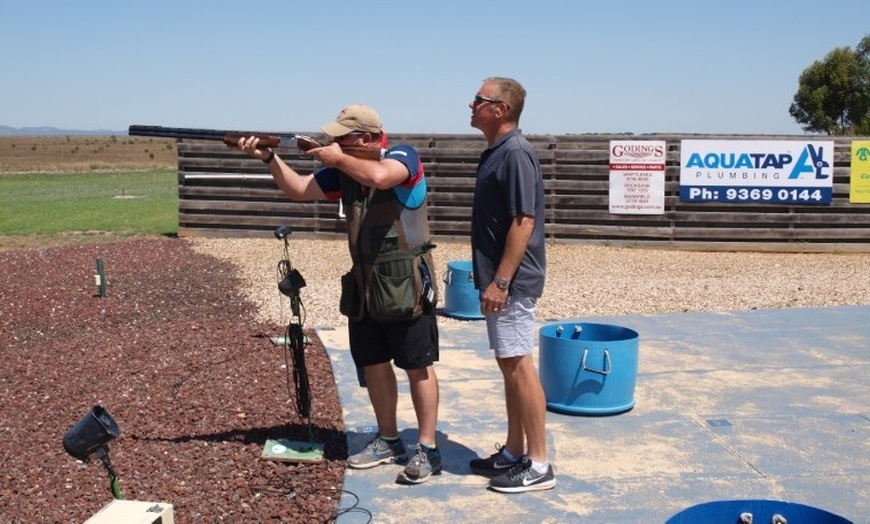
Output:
x=765 y=404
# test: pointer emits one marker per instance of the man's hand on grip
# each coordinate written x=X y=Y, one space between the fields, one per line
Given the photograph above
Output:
x=249 y=146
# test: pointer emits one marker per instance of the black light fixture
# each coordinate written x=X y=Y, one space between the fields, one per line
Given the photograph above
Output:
x=90 y=437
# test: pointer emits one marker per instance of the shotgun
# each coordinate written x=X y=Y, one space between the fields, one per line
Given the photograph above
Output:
x=231 y=138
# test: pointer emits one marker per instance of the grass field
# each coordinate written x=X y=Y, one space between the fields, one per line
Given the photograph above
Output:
x=83 y=189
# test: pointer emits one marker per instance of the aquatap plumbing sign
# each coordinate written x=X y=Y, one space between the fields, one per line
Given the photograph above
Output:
x=756 y=171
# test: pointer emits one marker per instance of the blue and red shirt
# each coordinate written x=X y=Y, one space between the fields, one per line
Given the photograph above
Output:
x=411 y=193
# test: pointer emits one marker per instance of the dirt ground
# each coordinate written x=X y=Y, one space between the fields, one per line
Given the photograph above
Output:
x=24 y=154
x=174 y=354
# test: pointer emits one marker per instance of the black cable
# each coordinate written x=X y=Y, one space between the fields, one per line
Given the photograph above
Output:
x=294 y=337
x=339 y=512
x=294 y=342
x=354 y=508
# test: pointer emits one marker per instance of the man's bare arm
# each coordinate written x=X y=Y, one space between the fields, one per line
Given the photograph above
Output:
x=382 y=174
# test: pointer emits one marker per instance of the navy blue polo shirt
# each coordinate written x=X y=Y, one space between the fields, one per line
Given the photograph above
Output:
x=509 y=183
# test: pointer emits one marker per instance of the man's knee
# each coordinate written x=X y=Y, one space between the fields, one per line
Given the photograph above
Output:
x=421 y=374
x=374 y=371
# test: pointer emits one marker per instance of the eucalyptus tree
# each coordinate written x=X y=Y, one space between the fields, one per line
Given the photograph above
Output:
x=833 y=94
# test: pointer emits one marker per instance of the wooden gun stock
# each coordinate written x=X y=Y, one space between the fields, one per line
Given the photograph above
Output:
x=231 y=138
x=306 y=143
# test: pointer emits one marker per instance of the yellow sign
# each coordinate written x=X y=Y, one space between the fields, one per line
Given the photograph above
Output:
x=859 y=181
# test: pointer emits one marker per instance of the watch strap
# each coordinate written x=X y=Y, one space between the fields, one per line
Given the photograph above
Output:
x=502 y=283
x=270 y=157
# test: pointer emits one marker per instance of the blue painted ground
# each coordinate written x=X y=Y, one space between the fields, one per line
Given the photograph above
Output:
x=765 y=404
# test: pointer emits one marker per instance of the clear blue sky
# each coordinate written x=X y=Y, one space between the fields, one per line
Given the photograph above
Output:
x=690 y=66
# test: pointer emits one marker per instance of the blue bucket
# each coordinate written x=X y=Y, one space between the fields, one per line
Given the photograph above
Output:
x=461 y=299
x=763 y=511
x=588 y=369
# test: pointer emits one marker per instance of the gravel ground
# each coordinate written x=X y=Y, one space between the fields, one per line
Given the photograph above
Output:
x=175 y=355
x=582 y=280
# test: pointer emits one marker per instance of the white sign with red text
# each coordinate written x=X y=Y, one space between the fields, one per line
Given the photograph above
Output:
x=637 y=177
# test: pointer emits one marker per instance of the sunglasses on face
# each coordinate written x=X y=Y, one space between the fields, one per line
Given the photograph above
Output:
x=481 y=99
x=351 y=135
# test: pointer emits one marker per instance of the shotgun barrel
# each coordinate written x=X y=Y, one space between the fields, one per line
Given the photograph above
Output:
x=231 y=138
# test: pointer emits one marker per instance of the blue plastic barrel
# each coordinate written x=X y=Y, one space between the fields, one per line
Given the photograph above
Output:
x=588 y=369
x=461 y=299
x=758 y=511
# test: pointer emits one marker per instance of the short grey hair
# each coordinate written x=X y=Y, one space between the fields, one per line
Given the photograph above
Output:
x=510 y=92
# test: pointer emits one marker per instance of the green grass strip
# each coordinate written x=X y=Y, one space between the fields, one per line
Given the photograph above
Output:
x=130 y=203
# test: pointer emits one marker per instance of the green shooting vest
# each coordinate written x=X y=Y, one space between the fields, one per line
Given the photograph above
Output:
x=388 y=245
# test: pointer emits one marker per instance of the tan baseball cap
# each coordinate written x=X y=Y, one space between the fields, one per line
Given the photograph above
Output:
x=355 y=117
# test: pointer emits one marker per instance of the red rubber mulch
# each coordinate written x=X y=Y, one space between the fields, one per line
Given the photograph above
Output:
x=174 y=354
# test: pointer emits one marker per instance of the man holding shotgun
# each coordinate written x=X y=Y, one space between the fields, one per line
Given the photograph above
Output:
x=389 y=295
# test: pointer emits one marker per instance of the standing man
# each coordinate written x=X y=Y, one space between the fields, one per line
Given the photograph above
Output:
x=389 y=295
x=507 y=239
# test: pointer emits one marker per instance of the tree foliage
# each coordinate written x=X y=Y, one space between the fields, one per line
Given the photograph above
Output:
x=833 y=94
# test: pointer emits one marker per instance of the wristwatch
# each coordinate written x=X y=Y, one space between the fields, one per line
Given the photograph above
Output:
x=270 y=157
x=502 y=283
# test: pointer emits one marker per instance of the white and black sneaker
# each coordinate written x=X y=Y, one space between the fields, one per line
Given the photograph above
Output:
x=378 y=451
x=425 y=463
x=494 y=465
x=522 y=477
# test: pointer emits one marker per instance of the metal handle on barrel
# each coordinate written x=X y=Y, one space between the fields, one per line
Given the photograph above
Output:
x=607 y=366
x=448 y=277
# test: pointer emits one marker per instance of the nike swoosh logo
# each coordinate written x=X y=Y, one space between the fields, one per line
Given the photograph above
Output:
x=528 y=482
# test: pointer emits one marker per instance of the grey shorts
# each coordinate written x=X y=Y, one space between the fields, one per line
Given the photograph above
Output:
x=511 y=331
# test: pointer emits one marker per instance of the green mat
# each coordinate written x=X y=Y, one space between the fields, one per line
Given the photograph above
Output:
x=283 y=450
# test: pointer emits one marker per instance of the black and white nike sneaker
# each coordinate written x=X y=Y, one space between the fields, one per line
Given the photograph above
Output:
x=494 y=465
x=522 y=477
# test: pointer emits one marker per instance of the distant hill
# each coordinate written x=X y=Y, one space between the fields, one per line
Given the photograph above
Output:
x=54 y=131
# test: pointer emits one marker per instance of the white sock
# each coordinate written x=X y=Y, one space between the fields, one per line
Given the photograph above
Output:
x=540 y=467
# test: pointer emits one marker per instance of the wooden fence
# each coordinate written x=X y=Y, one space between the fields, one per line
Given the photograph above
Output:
x=224 y=193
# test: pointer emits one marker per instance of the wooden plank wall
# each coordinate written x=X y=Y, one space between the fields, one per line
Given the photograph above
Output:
x=224 y=193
